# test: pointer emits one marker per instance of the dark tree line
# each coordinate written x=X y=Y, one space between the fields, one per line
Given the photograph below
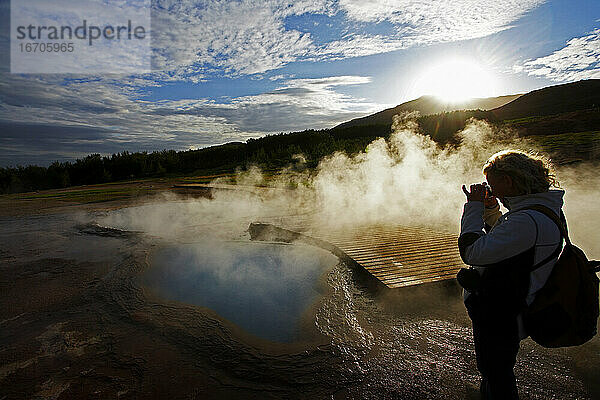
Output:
x=269 y=152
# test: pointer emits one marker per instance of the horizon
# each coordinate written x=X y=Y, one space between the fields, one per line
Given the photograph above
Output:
x=231 y=71
x=437 y=99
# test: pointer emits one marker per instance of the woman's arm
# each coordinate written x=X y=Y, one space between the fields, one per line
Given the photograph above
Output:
x=491 y=215
x=516 y=234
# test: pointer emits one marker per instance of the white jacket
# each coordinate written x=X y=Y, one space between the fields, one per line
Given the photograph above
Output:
x=513 y=233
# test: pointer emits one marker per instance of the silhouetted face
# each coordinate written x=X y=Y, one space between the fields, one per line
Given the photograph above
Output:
x=502 y=185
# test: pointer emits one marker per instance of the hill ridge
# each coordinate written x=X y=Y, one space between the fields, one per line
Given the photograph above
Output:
x=549 y=100
x=429 y=105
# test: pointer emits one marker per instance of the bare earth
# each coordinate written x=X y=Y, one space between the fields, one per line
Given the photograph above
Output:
x=75 y=323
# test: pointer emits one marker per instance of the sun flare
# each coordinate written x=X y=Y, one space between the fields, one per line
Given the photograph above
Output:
x=456 y=80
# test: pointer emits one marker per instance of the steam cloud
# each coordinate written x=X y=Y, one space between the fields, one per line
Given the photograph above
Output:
x=405 y=180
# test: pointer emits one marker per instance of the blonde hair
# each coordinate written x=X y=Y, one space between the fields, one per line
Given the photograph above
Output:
x=530 y=173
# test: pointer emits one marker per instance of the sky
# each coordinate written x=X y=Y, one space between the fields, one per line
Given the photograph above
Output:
x=225 y=71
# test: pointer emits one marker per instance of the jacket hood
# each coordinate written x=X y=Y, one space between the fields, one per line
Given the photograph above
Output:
x=552 y=199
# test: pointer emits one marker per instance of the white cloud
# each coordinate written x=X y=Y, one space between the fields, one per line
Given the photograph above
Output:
x=296 y=105
x=193 y=38
x=245 y=37
x=423 y=22
x=250 y=37
x=484 y=14
x=47 y=118
x=579 y=59
x=363 y=45
x=103 y=56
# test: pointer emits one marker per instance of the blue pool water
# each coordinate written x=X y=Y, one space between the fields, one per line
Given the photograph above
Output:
x=266 y=289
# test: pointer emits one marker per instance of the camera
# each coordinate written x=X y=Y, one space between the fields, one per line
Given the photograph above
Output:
x=488 y=190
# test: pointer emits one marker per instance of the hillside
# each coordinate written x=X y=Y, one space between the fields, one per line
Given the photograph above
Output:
x=551 y=100
x=572 y=107
x=427 y=105
x=573 y=121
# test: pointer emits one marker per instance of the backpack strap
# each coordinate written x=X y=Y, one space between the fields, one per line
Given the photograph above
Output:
x=562 y=226
x=560 y=223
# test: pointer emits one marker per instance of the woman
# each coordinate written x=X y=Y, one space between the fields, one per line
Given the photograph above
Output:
x=512 y=255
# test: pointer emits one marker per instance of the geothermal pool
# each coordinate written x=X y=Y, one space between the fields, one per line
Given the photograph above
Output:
x=268 y=290
x=186 y=314
x=396 y=344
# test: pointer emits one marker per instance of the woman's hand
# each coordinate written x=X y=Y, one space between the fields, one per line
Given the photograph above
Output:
x=477 y=192
x=490 y=201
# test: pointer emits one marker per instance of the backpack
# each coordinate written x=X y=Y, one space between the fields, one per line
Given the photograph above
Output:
x=565 y=310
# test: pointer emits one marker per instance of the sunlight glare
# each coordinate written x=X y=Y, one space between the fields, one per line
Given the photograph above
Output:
x=456 y=80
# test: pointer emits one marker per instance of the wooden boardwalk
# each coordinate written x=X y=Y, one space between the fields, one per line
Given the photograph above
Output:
x=397 y=256
x=400 y=256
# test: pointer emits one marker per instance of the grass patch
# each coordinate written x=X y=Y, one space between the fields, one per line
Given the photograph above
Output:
x=205 y=179
x=518 y=121
x=570 y=147
x=86 y=195
x=586 y=140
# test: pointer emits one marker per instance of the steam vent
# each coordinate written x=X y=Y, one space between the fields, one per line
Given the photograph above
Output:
x=392 y=256
x=396 y=256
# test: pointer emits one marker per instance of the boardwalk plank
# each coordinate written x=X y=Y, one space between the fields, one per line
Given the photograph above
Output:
x=397 y=256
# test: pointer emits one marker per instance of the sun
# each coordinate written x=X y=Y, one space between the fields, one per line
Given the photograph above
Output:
x=455 y=80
